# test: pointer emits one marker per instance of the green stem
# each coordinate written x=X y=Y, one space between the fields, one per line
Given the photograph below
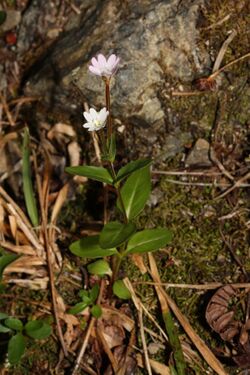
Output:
x=175 y=343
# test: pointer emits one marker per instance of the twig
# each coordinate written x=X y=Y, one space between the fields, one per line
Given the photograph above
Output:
x=235 y=257
x=215 y=184
x=214 y=74
x=88 y=333
x=43 y=207
x=220 y=166
x=237 y=184
x=144 y=344
x=195 y=286
x=187 y=173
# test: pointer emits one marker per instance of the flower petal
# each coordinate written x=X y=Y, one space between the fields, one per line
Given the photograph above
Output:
x=93 y=114
x=95 y=70
x=103 y=114
x=111 y=60
x=94 y=62
x=101 y=61
x=87 y=116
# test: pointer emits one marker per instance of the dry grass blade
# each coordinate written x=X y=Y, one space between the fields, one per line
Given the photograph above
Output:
x=157 y=367
x=169 y=324
x=138 y=304
x=223 y=50
x=197 y=341
x=144 y=344
x=43 y=193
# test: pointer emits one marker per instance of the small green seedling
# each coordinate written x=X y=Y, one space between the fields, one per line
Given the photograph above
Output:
x=19 y=333
x=89 y=298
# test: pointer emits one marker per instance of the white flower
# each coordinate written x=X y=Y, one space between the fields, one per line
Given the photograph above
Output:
x=95 y=120
x=104 y=67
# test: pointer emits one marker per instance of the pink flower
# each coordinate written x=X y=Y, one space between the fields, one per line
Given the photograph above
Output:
x=102 y=67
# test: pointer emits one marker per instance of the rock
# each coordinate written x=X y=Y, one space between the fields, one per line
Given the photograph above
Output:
x=156 y=40
x=199 y=155
x=13 y=18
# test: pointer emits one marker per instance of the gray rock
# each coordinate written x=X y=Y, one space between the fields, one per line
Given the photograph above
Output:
x=155 y=39
x=199 y=155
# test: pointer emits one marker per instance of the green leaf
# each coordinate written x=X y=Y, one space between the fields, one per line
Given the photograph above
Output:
x=148 y=240
x=4 y=329
x=16 y=348
x=120 y=290
x=135 y=192
x=100 y=268
x=94 y=292
x=96 y=311
x=3 y=316
x=28 y=191
x=3 y=16
x=14 y=323
x=88 y=247
x=38 y=329
x=5 y=260
x=132 y=167
x=95 y=173
x=79 y=307
x=115 y=233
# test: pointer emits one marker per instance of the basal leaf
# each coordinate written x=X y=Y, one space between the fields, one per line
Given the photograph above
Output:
x=132 y=167
x=120 y=290
x=95 y=173
x=135 y=192
x=148 y=240
x=14 y=323
x=29 y=196
x=88 y=247
x=4 y=329
x=100 y=268
x=16 y=348
x=115 y=233
x=38 y=329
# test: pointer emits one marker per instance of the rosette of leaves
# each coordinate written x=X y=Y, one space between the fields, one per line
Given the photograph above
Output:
x=121 y=238
x=19 y=333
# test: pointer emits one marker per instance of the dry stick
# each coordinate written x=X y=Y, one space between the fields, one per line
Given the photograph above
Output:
x=235 y=256
x=237 y=184
x=88 y=333
x=144 y=344
x=44 y=194
x=215 y=184
x=197 y=341
x=194 y=286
